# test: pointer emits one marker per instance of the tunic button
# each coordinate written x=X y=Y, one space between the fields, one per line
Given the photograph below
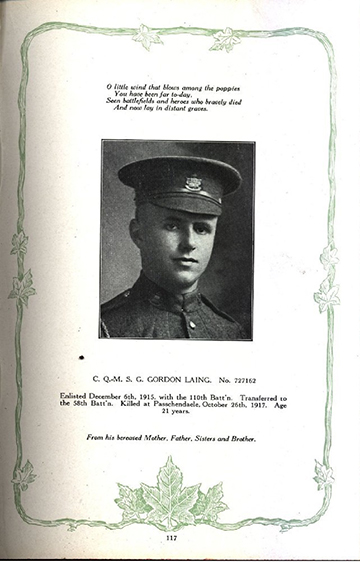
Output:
x=192 y=325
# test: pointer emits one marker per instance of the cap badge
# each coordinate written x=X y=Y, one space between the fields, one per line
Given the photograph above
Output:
x=194 y=184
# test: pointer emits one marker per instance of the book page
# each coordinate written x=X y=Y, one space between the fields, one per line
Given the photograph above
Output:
x=216 y=414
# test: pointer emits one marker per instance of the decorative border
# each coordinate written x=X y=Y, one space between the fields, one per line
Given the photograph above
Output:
x=168 y=506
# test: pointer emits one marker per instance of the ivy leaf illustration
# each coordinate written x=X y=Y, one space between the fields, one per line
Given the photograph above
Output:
x=132 y=502
x=19 y=242
x=24 y=476
x=22 y=290
x=324 y=476
x=328 y=258
x=168 y=500
x=327 y=296
x=225 y=40
x=210 y=505
x=146 y=37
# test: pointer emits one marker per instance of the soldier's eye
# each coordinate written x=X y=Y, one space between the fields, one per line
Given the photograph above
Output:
x=202 y=229
x=171 y=226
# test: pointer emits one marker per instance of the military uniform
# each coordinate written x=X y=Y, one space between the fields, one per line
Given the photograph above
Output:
x=148 y=311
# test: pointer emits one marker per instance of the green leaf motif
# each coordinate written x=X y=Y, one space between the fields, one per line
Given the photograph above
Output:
x=146 y=37
x=132 y=502
x=23 y=289
x=225 y=40
x=187 y=498
x=168 y=500
x=19 y=242
x=324 y=476
x=328 y=258
x=24 y=476
x=210 y=505
x=199 y=507
x=327 y=296
x=169 y=505
x=152 y=496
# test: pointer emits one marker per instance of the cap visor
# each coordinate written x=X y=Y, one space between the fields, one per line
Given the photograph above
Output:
x=187 y=203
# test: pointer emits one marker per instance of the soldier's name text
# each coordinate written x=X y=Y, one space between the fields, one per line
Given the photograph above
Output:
x=173 y=379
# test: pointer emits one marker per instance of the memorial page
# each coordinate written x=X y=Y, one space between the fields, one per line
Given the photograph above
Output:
x=180 y=309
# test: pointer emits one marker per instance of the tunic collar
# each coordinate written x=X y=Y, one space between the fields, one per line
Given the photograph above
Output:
x=146 y=289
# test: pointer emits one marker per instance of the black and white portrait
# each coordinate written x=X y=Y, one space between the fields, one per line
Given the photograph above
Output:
x=177 y=224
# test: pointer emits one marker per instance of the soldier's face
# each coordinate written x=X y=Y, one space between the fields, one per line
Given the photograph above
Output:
x=175 y=246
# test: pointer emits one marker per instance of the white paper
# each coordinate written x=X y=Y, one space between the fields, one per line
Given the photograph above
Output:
x=298 y=82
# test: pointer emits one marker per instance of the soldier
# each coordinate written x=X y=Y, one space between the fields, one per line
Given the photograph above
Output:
x=178 y=202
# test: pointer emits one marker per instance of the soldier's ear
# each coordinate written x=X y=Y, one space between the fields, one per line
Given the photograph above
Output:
x=135 y=232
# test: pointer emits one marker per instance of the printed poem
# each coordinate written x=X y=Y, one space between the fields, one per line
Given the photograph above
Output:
x=171 y=97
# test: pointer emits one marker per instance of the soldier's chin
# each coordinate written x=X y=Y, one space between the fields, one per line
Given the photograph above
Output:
x=182 y=282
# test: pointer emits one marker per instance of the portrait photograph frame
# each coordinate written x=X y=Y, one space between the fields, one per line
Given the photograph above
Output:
x=228 y=281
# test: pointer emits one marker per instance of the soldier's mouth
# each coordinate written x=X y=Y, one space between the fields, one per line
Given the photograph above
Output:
x=185 y=260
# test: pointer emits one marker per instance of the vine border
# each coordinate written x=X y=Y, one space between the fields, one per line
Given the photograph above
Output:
x=201 y=508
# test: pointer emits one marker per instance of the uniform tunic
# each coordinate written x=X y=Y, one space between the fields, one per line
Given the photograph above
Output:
x=148 y=311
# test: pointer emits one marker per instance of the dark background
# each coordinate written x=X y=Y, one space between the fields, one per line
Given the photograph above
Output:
x=228 y=280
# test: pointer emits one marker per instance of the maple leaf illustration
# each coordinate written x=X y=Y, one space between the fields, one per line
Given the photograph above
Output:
x=169 y=505
x=327 y=296
x=19 y=242
x=225 y=39
x=22 y=290
x=24 y=476
x=324 y=476
x=132 y=502
x=168 y=500
x=210 y=505
x=146 y=37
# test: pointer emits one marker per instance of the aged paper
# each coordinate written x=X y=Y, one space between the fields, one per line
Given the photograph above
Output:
x=153 y=448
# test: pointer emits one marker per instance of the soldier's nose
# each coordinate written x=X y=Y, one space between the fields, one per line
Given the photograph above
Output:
x=187 y=242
